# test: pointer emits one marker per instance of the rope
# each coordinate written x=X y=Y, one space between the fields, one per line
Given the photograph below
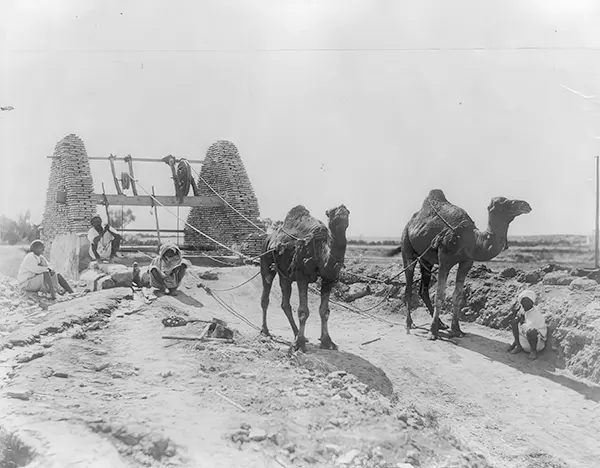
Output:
x=234 y=287
x=192 y=227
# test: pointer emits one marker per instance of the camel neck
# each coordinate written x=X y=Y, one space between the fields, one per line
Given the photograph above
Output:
x=337 y=247
x=491 y=242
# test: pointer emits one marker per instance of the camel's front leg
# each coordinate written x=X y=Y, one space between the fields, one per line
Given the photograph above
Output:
x=326 y=342
x=303 y=313
x=286 y=296
x=439 y=299
x=461 y=275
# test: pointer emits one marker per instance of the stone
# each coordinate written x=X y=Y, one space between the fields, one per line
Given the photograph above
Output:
x=508 y=273
x=557 y=278
x=257 y=435
x=345 y=394
x=130 y=435
x=332 y=448
x=356 y=291
x=29 y=357
x=336 y=383
x=19 y=394
x=209 y=275
x=62 y=375
x=122 y=279
x=248 y=375
x=302 y=392
x=348 y=457
x=583 y=284
x=336 y=374
x=530 y=277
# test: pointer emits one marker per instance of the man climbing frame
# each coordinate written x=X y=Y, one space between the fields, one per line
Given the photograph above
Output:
x=166 y=271
x=529 y=326
x=36 y=274
x=104 y=242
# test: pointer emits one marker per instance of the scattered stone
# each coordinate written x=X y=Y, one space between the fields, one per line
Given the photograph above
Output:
x=336 y=383
x=257 y=435
x=348 y=457
x=166 y=374
x=356 y=291
x=209 y=275
x=558 y=278
x=530 y=277
x=508 y=273
x=62 y=375
x=345 y=394
x=336 y=374
x=583 y=284
x=581 y=272
x=290 y=447
x=302 y=392
x=223 y=374
x=332 y=448
x=130 y=435
x=19 y=394
x=29 y=357
x=248 y=375
x=101 y=367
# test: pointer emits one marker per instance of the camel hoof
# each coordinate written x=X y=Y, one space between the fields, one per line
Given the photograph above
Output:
x=300 y=345
x=408 y=330
x=432 y=337
x=265 y=332
x=328 y=344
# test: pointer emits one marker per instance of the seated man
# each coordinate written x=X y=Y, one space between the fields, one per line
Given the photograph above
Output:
x=165 y=271
x=104 y=242
x=529 y=327
x=36 y=275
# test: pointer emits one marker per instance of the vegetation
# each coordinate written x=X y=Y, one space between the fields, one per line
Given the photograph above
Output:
x=121 y=218
x=19 y=231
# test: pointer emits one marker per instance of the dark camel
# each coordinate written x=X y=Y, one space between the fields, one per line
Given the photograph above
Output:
x=302 y=250
x=443 y=234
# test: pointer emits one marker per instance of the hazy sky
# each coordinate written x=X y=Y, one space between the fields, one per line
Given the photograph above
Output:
x=362 y=102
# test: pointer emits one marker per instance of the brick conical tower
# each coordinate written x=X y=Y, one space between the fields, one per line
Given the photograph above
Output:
x=224 y=170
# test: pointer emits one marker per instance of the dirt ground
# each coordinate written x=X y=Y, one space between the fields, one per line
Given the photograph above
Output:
x=94 y=373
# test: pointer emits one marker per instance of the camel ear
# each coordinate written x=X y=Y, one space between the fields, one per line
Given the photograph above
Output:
x=327 y=212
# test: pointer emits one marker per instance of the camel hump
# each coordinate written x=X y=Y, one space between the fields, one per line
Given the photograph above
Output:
x=299 y=224
x=437 y=195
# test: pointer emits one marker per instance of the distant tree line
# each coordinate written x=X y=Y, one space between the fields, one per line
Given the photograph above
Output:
x=19 y=231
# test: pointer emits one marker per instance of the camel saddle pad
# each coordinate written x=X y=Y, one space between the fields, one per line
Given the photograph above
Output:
x=298 y=224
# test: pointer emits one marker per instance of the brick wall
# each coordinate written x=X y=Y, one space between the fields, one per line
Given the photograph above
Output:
x=224 y=170
x=70 y=173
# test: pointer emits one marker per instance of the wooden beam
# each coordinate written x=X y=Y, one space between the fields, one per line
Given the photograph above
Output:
x=167 y=200
x=97 y=158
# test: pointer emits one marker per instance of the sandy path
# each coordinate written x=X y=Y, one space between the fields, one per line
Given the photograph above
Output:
x=514 y=411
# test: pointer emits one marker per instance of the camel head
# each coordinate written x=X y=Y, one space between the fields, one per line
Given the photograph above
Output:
x=338 y=218
x=506 y=210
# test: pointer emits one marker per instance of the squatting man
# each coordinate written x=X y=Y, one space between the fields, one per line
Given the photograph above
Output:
x=529 y=327
x=166 y=271
x=104 y=242
x=37 y=275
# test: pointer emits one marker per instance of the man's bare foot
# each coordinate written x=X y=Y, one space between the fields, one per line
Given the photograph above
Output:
x=516 y=350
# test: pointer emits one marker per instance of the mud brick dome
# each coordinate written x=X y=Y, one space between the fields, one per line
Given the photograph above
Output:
x=224 y=170
x=70 y=197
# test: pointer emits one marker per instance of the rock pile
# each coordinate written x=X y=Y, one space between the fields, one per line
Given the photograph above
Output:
x=224 y=170
x=70 y=196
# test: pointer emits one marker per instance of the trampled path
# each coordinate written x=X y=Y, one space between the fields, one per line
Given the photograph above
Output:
x=517 y=412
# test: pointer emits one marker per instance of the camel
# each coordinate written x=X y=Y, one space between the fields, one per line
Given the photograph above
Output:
x=302 y=250
x=443 y=234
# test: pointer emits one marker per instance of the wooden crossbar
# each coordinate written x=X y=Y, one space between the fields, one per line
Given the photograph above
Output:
x=167 y=200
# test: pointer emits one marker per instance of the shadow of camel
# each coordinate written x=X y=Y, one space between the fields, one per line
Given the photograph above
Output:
x=545 y=365
x=330 y=361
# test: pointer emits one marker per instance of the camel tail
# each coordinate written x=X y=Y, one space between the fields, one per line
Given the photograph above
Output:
x=391 y=253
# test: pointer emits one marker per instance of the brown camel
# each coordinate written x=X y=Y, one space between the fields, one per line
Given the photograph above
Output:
x=302 y=250
x=443 y=234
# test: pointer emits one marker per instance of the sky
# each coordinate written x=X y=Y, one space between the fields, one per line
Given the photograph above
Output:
x=369 y=103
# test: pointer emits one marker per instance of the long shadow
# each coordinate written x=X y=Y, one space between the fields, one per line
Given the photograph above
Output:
x=545 y=365
x=364 y=371
x=183 y=298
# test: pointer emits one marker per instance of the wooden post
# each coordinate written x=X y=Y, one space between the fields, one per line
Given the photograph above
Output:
x=597 y=248
x=131 y=177
x=106 y=205
x=112 y=158
x=155 y=208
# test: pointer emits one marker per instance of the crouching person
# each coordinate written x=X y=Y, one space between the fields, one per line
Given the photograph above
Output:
x=36 y=274
x=165 y=271
x=529 y=327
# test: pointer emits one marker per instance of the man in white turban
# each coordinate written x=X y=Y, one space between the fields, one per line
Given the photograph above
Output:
x=529 y=327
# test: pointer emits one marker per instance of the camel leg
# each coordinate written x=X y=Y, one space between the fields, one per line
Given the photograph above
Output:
x=303 y=313
x=408 y=257
x=264 y=303
x=326 y=342
x=424 y=290
x=286 y=295
x=439 y=298
x=461 y=275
